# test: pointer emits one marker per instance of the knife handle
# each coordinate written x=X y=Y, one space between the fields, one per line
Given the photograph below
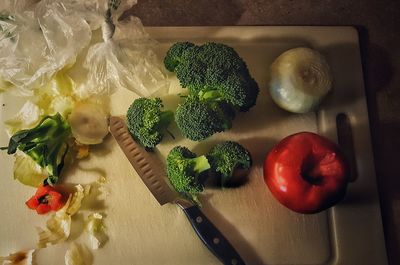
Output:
x=212 y=237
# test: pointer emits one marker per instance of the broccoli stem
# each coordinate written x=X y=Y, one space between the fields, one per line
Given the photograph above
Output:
x=201 y=164
x=46 y=144
x=166 y=118
x=210 y=95
x=5 y=17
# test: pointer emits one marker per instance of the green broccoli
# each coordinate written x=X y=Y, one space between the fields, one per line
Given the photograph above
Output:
x=45 y=144
x=214 y=72
x=174 y=54
x=185 y=170
x=198 y=120
x=147 y=122
x=227 y=157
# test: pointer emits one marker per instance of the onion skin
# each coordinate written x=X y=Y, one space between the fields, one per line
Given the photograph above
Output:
x=300 y=79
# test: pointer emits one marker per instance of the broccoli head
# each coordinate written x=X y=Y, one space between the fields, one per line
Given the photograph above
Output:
x=213 y=71
x=227 y=157
x=146 y=122
x=45 y=144
x=184 y=170
x=198 y=120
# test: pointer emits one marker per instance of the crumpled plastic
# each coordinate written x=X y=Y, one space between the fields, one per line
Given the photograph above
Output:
x=124 y=59
x=38 y=40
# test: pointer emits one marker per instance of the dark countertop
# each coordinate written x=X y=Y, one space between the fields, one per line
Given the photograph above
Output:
x=378 y=23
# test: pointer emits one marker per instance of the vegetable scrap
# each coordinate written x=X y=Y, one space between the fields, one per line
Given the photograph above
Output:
x=95 y=228
x=74 y=255
x=82 y=150
x=46 y=199
x=45 y=144
x=24 y=257
x=27 y=171
x=89 y=122
x=59 y=224
x=66 y=76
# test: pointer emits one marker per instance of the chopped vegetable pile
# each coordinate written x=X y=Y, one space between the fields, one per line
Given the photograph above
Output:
x=219 y=84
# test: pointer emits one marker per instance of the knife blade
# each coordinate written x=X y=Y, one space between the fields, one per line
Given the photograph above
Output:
x=152 y=172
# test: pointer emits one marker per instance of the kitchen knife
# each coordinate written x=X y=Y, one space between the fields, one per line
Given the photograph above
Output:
x=152 y=171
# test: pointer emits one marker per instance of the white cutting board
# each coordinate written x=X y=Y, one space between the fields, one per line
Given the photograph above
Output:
x=263 y=231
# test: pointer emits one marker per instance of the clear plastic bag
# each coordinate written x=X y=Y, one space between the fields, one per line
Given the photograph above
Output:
x=38 y=40
x=124 y=59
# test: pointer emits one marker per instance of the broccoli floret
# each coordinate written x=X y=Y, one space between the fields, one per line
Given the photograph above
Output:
x=184 y=170
x=227 y=157
x=235 y=90
x=174 y=54
x=45 y=144
x=146 y=122
x=214 y=72
x=198 y=120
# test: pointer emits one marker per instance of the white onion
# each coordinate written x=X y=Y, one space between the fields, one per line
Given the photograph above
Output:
x=300 y=79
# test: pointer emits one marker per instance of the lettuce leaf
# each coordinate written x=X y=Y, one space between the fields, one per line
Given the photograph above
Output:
x=27 y=171
x=95 y=228
x=74 y=255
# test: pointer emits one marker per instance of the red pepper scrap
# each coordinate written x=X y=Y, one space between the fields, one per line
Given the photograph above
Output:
x=46 y=199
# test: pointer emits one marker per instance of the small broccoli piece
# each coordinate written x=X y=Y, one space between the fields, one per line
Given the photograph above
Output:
x=214 y=72
x=235 y=90
x=184 y=170
x=45 y=144
x=146 y=122
x=227 y=157
x=174 y=54
x=198 y=120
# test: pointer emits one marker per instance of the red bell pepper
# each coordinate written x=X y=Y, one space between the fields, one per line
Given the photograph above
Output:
x=307 y=172
x=46 y=199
